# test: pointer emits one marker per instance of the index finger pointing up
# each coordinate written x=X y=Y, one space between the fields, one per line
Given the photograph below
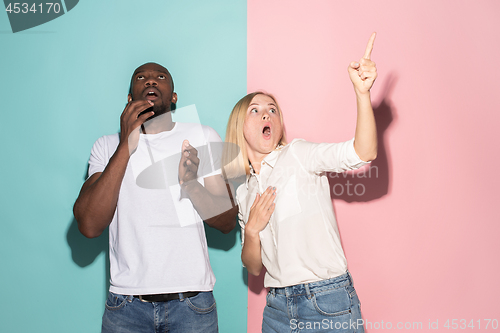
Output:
x=369 y=47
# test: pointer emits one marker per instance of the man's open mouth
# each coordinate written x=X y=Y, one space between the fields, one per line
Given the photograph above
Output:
x=151 y=94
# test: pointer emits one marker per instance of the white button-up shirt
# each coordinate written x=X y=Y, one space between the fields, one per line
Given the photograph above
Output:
x=301 y=242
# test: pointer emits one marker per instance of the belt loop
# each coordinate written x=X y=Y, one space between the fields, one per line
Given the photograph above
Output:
x=308 y=292
x=181 y=297
x=350 y=277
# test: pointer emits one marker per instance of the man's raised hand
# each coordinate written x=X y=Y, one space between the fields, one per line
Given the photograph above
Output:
x=364 y=72
x=188 y=165
x=131 y=121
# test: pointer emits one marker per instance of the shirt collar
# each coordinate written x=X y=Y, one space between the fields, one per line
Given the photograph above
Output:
x=270 y=160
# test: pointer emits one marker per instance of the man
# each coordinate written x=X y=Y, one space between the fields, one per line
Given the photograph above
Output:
x=161 y=277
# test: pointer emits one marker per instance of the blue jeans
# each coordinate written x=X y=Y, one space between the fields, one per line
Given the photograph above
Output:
x=324 y=306
x=127 y=314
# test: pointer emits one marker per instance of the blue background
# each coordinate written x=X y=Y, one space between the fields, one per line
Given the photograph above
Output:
x=64 y=84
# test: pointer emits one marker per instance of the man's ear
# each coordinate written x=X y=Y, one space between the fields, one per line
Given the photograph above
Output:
x=173 y=106
x=129 y=98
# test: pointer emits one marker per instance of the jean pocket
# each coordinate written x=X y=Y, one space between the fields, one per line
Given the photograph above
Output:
x=267 y=298
x=204 y=302
x=115 y=301
x=273 y=300
x=332 y=303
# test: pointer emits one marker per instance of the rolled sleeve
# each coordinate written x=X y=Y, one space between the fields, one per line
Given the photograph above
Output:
x=327 y=157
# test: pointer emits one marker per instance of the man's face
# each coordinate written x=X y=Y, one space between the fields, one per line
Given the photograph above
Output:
x=153 y=82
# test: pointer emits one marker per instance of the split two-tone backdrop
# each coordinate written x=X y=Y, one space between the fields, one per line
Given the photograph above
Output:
x=419 y=227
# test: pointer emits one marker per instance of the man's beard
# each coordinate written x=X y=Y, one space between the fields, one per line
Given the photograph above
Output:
x=159 y=110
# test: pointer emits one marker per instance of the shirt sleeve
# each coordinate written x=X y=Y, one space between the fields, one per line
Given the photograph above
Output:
x=101 y=152
x=98 y=159
x=326 y=157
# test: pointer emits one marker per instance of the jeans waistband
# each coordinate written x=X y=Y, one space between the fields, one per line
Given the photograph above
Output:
x=314 y=287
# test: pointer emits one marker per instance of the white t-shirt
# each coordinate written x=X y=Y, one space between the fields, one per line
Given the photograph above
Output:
x=157 y=239
x=301 y=242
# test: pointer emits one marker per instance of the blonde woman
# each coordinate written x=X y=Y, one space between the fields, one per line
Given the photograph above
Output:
x=285 y=211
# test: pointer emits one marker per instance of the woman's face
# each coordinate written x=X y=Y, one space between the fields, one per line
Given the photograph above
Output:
x=262 y=128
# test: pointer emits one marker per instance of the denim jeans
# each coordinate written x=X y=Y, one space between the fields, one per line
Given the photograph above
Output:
x=127 y=314
x=324 y=306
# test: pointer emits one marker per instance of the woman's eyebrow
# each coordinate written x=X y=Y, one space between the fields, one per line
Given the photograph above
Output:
x=259 y=104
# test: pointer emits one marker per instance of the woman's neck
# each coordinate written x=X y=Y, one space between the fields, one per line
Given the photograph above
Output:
x=256 y=160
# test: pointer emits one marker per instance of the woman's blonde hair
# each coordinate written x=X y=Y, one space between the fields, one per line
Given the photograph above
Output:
x=235 y=157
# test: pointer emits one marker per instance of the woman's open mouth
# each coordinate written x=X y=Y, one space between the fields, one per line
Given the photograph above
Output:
x=266 y=132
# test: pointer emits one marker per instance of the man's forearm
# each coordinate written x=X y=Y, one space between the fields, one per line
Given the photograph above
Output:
x=219 y=212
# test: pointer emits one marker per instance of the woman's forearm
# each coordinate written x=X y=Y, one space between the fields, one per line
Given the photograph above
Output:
x=365 y=138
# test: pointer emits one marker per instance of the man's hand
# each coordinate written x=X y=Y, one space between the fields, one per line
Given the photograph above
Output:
x=213 y=202
x=188 y=166
x=364 y=72
x=130 y=122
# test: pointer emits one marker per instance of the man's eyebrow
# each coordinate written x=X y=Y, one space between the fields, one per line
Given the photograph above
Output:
x=151 y=71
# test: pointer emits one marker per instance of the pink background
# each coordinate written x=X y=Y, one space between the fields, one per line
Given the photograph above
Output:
x=422 y=241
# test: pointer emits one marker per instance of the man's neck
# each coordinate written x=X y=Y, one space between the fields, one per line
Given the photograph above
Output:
x=162 y=123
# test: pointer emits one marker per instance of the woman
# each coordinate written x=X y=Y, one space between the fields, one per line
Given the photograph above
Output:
x=288 y=223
